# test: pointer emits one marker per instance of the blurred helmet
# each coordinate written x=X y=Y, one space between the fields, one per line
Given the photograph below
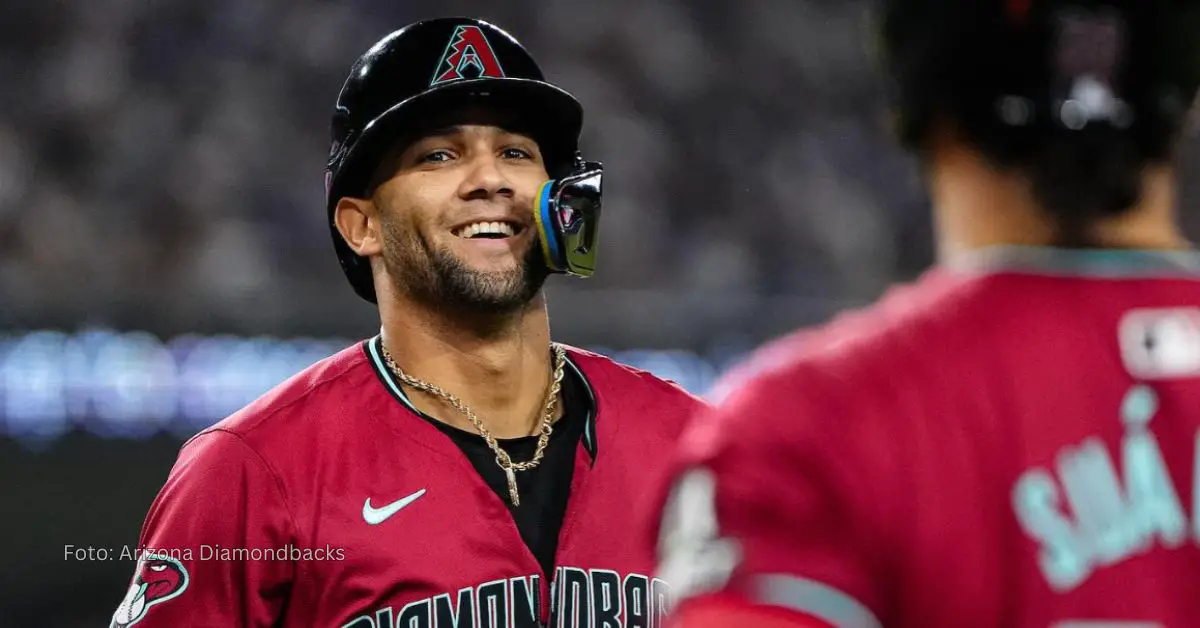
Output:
x=1012 y=71
x=418 y=71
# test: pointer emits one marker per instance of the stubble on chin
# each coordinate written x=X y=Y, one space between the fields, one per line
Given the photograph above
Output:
x=436 y=276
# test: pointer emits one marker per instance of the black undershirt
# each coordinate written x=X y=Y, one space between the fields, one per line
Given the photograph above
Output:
x=545 y=488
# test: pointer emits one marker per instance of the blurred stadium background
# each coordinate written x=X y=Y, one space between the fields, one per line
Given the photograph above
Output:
x=164 y=257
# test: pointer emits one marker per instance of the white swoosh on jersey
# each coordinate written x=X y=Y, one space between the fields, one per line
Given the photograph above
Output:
x=376 y=516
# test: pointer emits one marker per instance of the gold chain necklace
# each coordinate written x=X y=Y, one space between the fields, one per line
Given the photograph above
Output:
x=502 y=458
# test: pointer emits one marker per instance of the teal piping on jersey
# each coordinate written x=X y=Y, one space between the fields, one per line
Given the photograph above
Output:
x=589 y=426
x=374 y=351
x=813 y=598
x=373 y=348
x=1098 y=263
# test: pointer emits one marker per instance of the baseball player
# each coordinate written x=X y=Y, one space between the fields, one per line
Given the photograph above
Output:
x=459 y=469
x=1012 y=440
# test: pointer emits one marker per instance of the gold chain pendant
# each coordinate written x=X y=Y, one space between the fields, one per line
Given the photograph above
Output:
x=512 y=486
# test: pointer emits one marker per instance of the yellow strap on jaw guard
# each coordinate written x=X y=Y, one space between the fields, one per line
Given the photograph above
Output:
x=568 y=220
x=541 y=215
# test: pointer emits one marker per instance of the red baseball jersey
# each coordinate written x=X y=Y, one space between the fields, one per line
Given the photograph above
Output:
x=1008 y=442
x=331 y=502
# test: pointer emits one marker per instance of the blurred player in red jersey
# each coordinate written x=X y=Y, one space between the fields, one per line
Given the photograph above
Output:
x=1012 y=440
x=459 y=469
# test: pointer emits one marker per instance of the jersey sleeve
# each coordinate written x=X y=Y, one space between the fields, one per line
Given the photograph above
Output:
x=212 y=551
x=780 y=500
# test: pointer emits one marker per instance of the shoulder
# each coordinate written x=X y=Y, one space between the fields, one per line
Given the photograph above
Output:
x=606 y=373
x=855 y=378
x=635 y=391
x=911 y=323
x=296 y=405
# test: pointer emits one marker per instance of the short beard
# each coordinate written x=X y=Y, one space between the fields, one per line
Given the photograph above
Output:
x=440 y=279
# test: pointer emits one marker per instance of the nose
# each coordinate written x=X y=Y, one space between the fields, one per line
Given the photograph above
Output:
x=485 y=179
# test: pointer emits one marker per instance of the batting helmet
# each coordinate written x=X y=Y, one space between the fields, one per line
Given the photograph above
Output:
x=1013 y=71
x=443 y=63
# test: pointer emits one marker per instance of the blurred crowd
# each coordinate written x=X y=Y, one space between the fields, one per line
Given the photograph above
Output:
x=161 y=162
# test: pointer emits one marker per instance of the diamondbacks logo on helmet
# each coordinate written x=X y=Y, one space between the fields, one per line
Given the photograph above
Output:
x=468 y=55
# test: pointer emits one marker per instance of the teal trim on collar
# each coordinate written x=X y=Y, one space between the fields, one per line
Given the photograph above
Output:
x=374 y=348
x=589 y=426
x=374 y=351
x=1104 y=263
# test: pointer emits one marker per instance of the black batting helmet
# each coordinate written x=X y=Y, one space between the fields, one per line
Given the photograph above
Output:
x=1012 y=72
x=422 y=69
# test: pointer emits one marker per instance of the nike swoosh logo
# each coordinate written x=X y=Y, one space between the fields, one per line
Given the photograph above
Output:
x=376 y=516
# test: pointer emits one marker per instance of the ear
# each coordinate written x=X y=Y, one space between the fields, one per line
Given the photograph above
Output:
x=357 y=219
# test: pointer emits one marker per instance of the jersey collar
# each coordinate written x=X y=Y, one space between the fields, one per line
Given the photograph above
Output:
x=1101 y=263
x=374 y=350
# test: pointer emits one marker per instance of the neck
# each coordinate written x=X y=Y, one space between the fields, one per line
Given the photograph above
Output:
x=976 y=206
x=499 y=367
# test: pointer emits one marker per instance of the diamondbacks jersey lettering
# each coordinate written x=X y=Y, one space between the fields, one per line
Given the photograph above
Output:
x=1008 y=443
x=596 y=597
x=336 y=459
x=604 y=599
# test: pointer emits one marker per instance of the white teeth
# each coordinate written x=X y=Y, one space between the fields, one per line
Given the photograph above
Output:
x=476 y=228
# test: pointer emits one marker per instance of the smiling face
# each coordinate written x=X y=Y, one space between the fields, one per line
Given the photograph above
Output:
x=455 y=221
